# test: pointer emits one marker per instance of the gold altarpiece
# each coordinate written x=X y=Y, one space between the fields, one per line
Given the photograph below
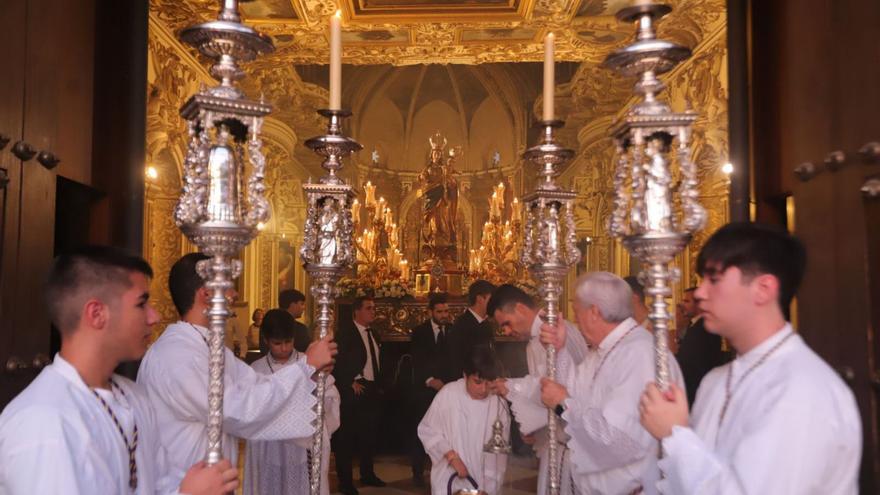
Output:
x=591 y=99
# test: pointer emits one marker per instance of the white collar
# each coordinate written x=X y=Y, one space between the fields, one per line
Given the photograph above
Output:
x=536 y=325
x=480 y=319
x=360 y=327
x=758 y=351
x=65 y=369
x=619 y=331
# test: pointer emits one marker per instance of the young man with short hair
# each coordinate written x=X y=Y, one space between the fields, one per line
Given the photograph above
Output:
x=78 y=428
x=255 y=407
x=430 y=353
x=777 y=419
x=294 y=302
x=471 y=328
x=282 y=466
x=459 y=423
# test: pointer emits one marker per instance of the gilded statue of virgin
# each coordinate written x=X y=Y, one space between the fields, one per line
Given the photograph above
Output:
x=439 y=190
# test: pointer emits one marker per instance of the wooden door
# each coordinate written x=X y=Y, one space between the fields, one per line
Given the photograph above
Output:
x=817 y=101
x=12 y=86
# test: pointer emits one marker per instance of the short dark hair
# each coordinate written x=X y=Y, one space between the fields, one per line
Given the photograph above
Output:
x=184 y=281
x=277 y=324
x=436 y=298
x=636 y=286
x=90 y=271
x=288 y=297
x=482 y=361
x=254 y=314
x=757 y=249
x=479 y=288
x=507 y=295
x=359 y=301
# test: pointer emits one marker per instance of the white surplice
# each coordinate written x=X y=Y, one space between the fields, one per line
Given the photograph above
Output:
x=611 y=453
x=525 y=399
x=791 y=427
x=255 y=406
x=57 y=438
x=455 y=421
x=281 y=466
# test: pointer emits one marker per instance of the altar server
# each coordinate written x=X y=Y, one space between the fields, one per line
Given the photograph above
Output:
x=518 y=315
x=777 y=419
x=611 y=453
x=459 y=424
x=282 y=466
x=78 y=428
x=255 y=406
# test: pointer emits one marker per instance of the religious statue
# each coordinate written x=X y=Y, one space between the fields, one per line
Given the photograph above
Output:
x=439 y=204
x=328 y=230
x=658 y=203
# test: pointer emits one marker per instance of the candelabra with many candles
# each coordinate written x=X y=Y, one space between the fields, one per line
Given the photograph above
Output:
x=498 y=257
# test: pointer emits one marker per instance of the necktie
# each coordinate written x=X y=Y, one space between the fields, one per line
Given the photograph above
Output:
x=371 y=345
x=441 y=336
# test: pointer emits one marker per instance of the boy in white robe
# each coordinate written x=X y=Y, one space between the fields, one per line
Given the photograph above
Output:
x=777 y=419
x=518 y=315
x=255 y=406
x=457 y=426
x=282 y=466
x=78 y=428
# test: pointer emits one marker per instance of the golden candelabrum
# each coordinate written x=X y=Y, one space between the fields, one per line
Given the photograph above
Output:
x=378 y=245
x=498 y=257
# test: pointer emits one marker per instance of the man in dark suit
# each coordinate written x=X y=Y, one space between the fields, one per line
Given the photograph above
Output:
x=431 y=370
x=698 y=350
x=358 y=375
x=471 y=328
x=294 y=302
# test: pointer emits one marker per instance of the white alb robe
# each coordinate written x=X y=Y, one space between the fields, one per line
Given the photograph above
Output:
x=524 y=395
x=455 y=421
x=611 y=453
x=791 y=427
x=255 y=406
x=56 y=437
x=281 y=466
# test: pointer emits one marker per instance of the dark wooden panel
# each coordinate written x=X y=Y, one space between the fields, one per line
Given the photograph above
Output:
x=59 y=89
x=12 y=53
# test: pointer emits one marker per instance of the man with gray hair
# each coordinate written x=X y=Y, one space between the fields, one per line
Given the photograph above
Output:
x=611 y=452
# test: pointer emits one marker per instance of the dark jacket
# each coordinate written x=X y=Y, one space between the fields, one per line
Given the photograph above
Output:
x=698 y=353
x=352 y=356
x=466 y=334
x=429 y=357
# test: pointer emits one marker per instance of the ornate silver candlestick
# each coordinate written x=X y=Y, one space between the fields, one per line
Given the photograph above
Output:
x=644 y=215
x=224 y=130
x=328 y=248
x=550 y=249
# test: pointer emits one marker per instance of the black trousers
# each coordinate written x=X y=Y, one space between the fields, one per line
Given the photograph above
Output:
x=358 y=431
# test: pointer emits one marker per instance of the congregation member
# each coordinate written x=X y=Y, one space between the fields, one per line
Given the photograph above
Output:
x=282 y=466
x=78 y=428
x=611 y=452
x=778 y=419
x=698 y=350
x=472 y=328
x=459 y=424
x=255 y=406
x=518 y=315
x=640 y=309
x=294 y=302
x=359 y=380
x=431 y=372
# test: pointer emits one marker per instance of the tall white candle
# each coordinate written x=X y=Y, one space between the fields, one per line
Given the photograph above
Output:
x=549 y=76
x=336 y=61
